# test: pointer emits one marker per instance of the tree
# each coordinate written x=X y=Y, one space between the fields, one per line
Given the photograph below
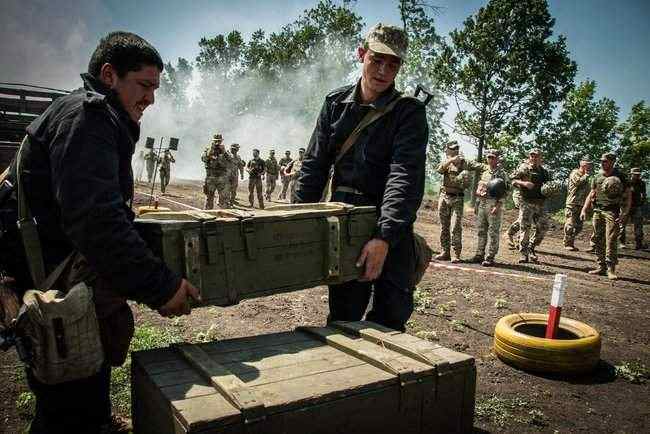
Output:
x=175 y=81
x=504 y=70
x=634 y=139
x=416 y=70
x=583 y=127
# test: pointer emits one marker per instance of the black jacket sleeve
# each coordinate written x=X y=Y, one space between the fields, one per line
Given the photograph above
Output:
x=405 y=185
x=317 y=162
x=84 y=160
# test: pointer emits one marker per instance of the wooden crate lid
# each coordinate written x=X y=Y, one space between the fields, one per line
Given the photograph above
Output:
x=226 y=382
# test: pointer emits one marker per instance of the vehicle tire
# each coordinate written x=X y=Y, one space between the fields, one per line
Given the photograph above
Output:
x=519 y=341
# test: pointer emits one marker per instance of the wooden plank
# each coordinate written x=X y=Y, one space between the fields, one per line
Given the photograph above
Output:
x=228 y=384
x=254 y=342
x=31 y=92
x=23 y=106
x=147 y=401
x=208 y=411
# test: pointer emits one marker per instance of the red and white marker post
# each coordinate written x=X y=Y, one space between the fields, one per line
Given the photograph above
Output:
x=555 y=310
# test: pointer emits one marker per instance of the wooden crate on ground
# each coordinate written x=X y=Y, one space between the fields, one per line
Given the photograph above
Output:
x=234 y=254
x=349 y=377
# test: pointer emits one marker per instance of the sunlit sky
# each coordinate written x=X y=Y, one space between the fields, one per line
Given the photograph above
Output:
x=49 y=42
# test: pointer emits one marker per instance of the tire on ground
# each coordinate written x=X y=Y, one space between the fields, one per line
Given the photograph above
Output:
x=579 y=353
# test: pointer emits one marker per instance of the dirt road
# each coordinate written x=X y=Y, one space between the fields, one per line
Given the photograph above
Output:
x=458 y=306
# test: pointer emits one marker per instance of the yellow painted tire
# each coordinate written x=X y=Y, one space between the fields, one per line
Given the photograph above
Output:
x=146 y=209
x=577 y=354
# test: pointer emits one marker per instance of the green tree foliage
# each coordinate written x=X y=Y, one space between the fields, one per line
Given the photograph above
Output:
x=175 y=81
x=634 y=139
x=504 y=69
x=584 y=126
x=416 y=70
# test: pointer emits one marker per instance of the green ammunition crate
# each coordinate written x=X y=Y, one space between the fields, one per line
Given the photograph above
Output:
x=233 y=254
x=349 y=377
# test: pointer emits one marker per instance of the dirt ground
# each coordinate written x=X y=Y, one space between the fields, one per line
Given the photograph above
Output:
x=459 y=307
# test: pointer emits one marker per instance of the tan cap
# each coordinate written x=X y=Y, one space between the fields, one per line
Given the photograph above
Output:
x=635 y=171
x=534 y=151
x=491 y=153
x=235 y=146
x=387 y=39
x=586 y=159
x=608 y=156
x=452 y=145
x=217 y=138
x=301 y=150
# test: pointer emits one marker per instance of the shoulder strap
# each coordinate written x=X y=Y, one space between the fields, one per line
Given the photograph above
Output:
x=27 y=226
x=368 y=119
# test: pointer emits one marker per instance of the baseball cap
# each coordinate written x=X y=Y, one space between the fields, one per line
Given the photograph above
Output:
x=387 y=39
x=609 y=156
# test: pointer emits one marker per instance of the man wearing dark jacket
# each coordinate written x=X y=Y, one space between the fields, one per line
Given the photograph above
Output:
x=384 y=168
x=76 y=171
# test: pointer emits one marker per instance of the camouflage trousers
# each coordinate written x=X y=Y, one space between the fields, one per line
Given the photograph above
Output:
x=164 y=181
x=606 y=236
x=533 y=223
x=285 y=186
x=450 y=213
x=220 y=185
x=233 y=182
x=572 y=223
x=271 y=181
x=636 y=217
x=253 y=185
x=488 y=226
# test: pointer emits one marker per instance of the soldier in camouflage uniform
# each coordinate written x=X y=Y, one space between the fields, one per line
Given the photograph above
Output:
x=638 y=192
x=529 y=177
x=256 y=169
x=165 y=169
x=489 y=211
x=610 y=192
x=150 y=160
x=284 y=162
x=455 y=171
x=218 y=165
x=272 y=171
x=292 y=171
x=513 y=229
x=236 y=172
x=577 y=191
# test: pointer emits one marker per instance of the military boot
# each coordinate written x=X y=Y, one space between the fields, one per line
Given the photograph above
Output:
x=523 y=258
x=570 y=247
x=611 y=272
x=476 y=259
x=443 y=256
x=591 y=249
x=600 y=271
x=455 y=259
x=531 y=254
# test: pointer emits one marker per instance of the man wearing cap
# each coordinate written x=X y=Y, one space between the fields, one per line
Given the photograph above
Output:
x=610 y=192
x=637 y=187
x=236 y=172
x=272 y=172
x=284 y=162
x=529 y=177
x=218 y=163
x=256 y=169
x=292 y=171
x=577 y=191
x=456 y=178
x=489 y=210
x=384 y=167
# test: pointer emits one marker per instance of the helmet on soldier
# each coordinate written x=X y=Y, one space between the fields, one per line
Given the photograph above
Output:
x=496 y=188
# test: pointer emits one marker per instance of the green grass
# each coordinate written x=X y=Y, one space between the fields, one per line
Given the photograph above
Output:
x=144 y=338
x=635 y=372
x=502 y=411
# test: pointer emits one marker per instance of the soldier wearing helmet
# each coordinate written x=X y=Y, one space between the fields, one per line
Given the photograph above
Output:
x=610 y=200
x=218 y=163
x=577 y=191
x=530 y=176
x=236 y=172
x=638 y=192
x=456 y=177
x=490 y=193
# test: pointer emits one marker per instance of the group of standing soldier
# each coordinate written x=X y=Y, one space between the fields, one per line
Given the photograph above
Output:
x=608 y=194
x=164 y=162
x=224 y=170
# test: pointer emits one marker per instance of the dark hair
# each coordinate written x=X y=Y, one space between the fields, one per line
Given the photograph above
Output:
x=126 y=52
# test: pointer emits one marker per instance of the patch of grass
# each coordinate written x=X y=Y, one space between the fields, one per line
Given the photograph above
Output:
x=421 y=300
x=502 y=411
x=144 y=338
x=445 y=309
x=635 y=372
x=501 y=303
x=26 y=405
x=429 y=335
x=457 y=325
x=209 y=335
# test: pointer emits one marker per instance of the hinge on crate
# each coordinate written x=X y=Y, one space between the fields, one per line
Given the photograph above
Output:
x=192 y=251
x=248 y=232
x=334 y=247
